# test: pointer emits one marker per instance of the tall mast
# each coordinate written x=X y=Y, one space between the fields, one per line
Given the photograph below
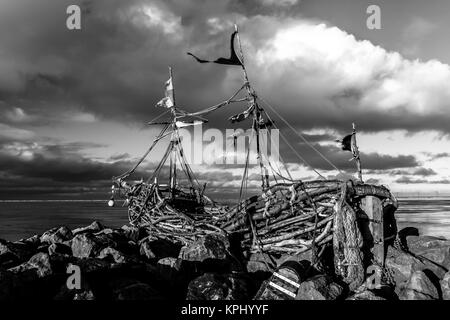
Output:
x=256 y=115
x=356 y=153
x=173 y=156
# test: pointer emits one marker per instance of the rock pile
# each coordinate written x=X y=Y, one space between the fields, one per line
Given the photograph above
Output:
x=129 y=264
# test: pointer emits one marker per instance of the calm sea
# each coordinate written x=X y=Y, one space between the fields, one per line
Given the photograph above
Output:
x=23 y=219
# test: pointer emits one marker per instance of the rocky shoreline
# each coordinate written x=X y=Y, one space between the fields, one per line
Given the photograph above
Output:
x=128 y=264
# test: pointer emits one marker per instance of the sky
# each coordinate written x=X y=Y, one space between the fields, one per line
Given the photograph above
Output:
x=74 y=104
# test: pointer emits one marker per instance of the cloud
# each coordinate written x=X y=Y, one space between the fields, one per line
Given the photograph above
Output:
x=436 y=156
x=424 y=172
x=331 y=77
x=407 y=180
x=315 y=75
x=418 y=28
x=8 y=132
x=279 y=2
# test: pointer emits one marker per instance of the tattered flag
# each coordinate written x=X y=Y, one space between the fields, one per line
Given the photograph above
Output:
x=346 y=143
x=232 y=60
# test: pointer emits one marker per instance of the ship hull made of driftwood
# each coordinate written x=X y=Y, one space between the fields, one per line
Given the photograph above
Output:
x=286 y=218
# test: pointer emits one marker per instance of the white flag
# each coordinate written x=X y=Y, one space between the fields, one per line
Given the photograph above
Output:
x=167 y=101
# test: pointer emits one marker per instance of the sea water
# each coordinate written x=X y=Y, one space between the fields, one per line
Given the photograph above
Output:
x=21 y=219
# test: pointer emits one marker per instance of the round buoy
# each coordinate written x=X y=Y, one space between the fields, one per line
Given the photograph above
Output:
x=111 y=203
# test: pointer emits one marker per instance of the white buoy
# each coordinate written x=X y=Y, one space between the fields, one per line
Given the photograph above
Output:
x=111 y=203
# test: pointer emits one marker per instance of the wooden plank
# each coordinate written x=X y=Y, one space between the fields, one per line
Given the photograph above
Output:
x=373 y=208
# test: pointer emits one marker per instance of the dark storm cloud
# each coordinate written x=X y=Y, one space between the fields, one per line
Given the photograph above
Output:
x=408 y=180
x=438 y=155
x=116 y=65
x=424 y=172
x=370 y=161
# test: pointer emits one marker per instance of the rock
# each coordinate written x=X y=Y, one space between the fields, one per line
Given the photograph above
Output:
x=113 y=254
x=33 y=241
x=211 y=246
x=13 y=254
x=320 y=287
x=435 y=249
x=38 y=266
x=89 y=265
x=365 y=295
x=402 y=265
x=145 y=250
x=131 y=232
x=158 y=249
x=211 y=286
x=57 y=235
x=86 y=245
x=419 y=287
x=93 y=228
x=260 y=262
x=84 y=295
x=445 y=286
x=169 y=262
x=136 y=291
x=116 y=239
x=59 y=248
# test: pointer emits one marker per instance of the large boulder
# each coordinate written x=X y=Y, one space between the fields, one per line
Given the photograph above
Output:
x=39 y=266
x=113 y=255
x=260 y=263
x=13 y=254
x=91 y=265
x=445 y=286
x=212 y=286
x=133 y=233
x=33 y=241
x=419 y=287
x=59 y=248
x=402 y=265
x=92 y=228
x=86 y=245
x=320 y=287
x=158 y=249
x=211 y=253
x=57 y=235
x=436 y=250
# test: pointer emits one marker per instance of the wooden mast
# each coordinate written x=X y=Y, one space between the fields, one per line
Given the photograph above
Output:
x=256 y=116
x=173 y=156
x=356 y=156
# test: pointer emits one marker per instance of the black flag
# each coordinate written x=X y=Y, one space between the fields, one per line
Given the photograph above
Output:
x=232 y=60
x=346 y=143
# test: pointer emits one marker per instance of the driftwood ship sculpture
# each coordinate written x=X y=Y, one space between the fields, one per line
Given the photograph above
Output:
x=288 y=216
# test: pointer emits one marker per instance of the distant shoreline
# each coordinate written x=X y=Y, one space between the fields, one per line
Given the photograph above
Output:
x=101 y=200
x=435 y=197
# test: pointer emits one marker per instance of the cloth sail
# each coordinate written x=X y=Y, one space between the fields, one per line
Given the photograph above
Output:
x=167 y=101
x=232 y=60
